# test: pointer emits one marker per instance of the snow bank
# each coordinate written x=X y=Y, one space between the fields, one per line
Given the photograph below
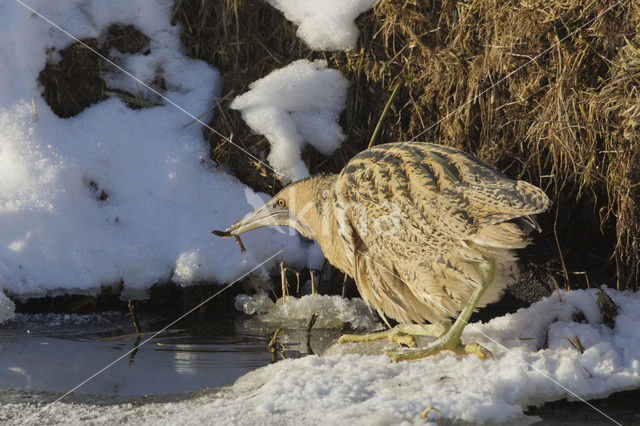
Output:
x=325 y=25
x=333 y=311
x=163 y=195
x=374 y=390
x=293 y=105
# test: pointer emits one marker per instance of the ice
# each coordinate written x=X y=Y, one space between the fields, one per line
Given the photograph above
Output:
x=361 y=389
x=164 y=196
x=293 y=105
x=325 y=25
x=7 y=307
x=333 y=311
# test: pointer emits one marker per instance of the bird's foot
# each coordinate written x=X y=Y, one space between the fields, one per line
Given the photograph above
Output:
x=474 y=348
x=451 y=339
x=394 y=335
x=402 y=334
x=437 y=347
x=404 y=339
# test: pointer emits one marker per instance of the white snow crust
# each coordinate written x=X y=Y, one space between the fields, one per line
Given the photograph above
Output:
x=359 y=389
x=164 y=195
x=333 y=311
x=327 y=24
x=7 y=308
x=293 y=105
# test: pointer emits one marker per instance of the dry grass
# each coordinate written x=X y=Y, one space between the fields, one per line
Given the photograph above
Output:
x=567 y=121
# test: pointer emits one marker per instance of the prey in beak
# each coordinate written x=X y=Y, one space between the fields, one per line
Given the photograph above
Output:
x=274 y=213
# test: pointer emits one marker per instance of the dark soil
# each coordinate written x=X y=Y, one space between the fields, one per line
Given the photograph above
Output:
x=126 y=39
x=74 y=82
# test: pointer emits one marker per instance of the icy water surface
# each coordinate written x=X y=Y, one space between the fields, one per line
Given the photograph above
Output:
x=55 y=353
x=44 y=356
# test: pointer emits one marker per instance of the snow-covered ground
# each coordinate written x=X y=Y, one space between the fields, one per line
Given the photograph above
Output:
x=164 y=196
x=366 y=389
x=325 y=25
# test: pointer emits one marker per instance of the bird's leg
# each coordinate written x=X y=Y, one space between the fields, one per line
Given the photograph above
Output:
x=451 y=340
x=392 y=334
x=402 y=334
x=434 y=330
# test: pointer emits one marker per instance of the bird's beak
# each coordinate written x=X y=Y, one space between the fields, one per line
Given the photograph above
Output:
x=264 y=216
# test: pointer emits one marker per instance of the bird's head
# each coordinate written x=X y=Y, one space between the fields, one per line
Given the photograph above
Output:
x=299 y=206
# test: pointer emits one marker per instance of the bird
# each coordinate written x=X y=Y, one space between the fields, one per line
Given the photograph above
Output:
x=427 y=231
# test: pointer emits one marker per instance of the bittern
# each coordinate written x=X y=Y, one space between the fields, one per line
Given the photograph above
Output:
x=427 y=231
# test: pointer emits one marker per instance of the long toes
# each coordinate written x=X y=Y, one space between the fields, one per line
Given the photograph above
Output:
x=474 y=348
x=403 y=339
x=346 y=338
x=458 y=348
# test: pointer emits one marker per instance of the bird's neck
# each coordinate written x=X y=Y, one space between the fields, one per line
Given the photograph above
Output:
x=310 y=204
x=316 y=219
x=334 y=247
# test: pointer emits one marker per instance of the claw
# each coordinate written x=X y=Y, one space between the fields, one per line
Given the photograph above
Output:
x=403 y=339
x=474 y=348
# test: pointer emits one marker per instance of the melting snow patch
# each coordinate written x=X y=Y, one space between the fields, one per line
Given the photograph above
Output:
x=293 y=105
x=333 y=311
x=327 y=24
x=113 y=193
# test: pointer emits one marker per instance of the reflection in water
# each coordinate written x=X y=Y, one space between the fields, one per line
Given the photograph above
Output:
x=136 y=346
x=56 y=353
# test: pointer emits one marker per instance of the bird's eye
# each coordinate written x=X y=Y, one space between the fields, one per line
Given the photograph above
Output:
x=281 y=202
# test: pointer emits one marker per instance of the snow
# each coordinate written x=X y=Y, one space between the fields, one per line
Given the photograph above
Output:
x=7 y=308
x=325 y=25
x=164 y=195
x=164 y=198
x=333 y=311
x=293 y=105
x=364 y=389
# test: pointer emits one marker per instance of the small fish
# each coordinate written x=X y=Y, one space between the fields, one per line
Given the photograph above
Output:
x=225 y=234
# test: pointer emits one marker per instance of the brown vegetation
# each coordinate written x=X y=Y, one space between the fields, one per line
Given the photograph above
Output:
x=546 y=91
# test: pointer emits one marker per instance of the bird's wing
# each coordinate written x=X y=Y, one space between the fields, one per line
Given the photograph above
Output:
x=418 y=200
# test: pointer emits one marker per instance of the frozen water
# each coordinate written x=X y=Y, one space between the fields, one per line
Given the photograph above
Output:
x=7 y=307
x=333 y=311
